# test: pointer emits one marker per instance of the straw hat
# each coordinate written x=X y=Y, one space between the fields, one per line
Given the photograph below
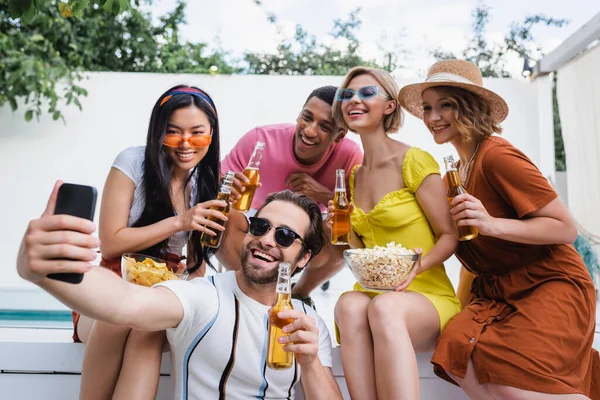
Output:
x=457 y=73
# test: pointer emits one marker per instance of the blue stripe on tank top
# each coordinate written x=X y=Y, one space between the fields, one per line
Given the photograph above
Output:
x=263 y=362
x=192 y=347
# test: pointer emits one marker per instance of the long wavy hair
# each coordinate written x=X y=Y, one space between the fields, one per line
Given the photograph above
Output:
x=158 y=171
x=471 y=113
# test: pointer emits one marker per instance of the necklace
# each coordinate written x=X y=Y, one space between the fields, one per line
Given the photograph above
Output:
x=465 y=171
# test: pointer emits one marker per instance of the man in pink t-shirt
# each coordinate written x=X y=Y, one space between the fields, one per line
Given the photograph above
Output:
x=301 y=157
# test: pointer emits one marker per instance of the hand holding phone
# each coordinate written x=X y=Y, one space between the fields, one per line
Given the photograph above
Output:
x=79 y=201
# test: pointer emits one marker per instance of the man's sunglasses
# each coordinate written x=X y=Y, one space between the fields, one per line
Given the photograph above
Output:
x=176 y=140
x=284 y=237
x=364 y=93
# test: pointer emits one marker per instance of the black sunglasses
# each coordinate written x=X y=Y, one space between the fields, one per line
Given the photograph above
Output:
x=284 y=237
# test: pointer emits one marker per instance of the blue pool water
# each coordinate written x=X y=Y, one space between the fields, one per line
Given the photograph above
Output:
x=35 y=319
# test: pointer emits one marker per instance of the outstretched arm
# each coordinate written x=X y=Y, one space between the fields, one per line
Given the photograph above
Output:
x=63 y=243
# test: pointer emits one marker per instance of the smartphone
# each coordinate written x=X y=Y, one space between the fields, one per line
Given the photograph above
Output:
x=79 y=201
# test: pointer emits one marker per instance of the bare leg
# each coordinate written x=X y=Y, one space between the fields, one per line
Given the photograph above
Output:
x=84 y=328
x=140 y=372
x=357 y=344
x=324 y=266
x=470 y=384
x=102 y=359
x=401 y=324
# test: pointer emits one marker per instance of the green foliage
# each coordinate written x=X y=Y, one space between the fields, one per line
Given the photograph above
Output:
x=585 y=250
x=31 y=66
x=27 y=10
x=42 y=62
x=304 y=55
x=491 y=58
x=560 y=160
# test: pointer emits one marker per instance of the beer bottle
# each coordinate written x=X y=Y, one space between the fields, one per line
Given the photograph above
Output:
x=455 y=188
x=215 y=241
x=277 y=358
x=340 y=230
x=251 y=172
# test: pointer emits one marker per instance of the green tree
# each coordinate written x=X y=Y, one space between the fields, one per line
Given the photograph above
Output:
x=560 y=159
x=304 y=55
x=42 y=62
x=27 y=10
x=491 y=57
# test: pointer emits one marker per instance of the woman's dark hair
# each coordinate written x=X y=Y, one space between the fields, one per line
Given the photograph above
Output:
x=158 y=169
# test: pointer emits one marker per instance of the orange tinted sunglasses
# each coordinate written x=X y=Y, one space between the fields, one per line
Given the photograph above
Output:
x=175 y=140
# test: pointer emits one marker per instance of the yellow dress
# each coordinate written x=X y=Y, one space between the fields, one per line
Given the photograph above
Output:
x=399 y=218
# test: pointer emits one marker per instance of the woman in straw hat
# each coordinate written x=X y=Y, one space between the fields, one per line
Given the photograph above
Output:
x=399 y=197
x=527 y=330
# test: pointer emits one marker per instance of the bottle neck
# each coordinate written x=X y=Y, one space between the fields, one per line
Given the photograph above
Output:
x=449 y=164
x=284 y=285
x=454 y=178
x=340 y=183
x=226 y=186
x=256 y=157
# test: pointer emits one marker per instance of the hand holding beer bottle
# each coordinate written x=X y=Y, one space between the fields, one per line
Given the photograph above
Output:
x=455 y=188
x=224 y=196
x=253 y=178
x=277 y=357
x=292 y=333
x=340 y=227
x=354 y=241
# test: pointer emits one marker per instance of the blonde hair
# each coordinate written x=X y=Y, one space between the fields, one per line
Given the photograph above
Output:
x=471 y=113
x=391 y=122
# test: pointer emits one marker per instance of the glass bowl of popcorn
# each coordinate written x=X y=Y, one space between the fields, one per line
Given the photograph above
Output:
x=381 y=268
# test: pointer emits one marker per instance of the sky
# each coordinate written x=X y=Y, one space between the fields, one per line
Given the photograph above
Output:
x=394 y=25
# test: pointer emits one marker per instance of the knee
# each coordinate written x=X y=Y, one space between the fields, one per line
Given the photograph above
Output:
x=351 y=308
x=386 y=312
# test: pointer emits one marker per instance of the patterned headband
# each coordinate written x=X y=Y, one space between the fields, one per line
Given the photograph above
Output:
x=191 y=91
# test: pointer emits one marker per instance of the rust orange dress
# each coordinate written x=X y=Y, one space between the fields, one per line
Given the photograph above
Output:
x=531 y=318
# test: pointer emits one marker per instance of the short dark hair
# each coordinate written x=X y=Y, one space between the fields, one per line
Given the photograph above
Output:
x=315 y=237
x=325 y=93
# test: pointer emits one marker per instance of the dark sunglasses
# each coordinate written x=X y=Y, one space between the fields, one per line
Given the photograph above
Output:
x=284 y=237
x=364 y=93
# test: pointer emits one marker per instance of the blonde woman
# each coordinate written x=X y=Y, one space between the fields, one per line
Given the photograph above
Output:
x=528 y=328
x=398 y=196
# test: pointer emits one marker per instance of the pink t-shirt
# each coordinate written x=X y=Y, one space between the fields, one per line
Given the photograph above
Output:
x=278 y=160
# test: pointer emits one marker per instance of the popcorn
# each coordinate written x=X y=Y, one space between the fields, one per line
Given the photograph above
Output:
x=381 y=268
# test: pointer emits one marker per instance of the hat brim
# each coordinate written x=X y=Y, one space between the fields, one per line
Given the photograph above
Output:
x=410 y=98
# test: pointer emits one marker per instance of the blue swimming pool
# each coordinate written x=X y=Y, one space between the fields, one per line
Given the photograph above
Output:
x=35 y=319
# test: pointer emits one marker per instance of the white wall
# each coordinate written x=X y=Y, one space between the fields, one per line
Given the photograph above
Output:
x=116 y=112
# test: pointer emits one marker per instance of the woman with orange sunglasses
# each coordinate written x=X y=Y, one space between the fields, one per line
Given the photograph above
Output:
x=156 y=199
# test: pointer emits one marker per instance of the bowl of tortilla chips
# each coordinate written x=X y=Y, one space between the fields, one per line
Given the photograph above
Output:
x=144 y=270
